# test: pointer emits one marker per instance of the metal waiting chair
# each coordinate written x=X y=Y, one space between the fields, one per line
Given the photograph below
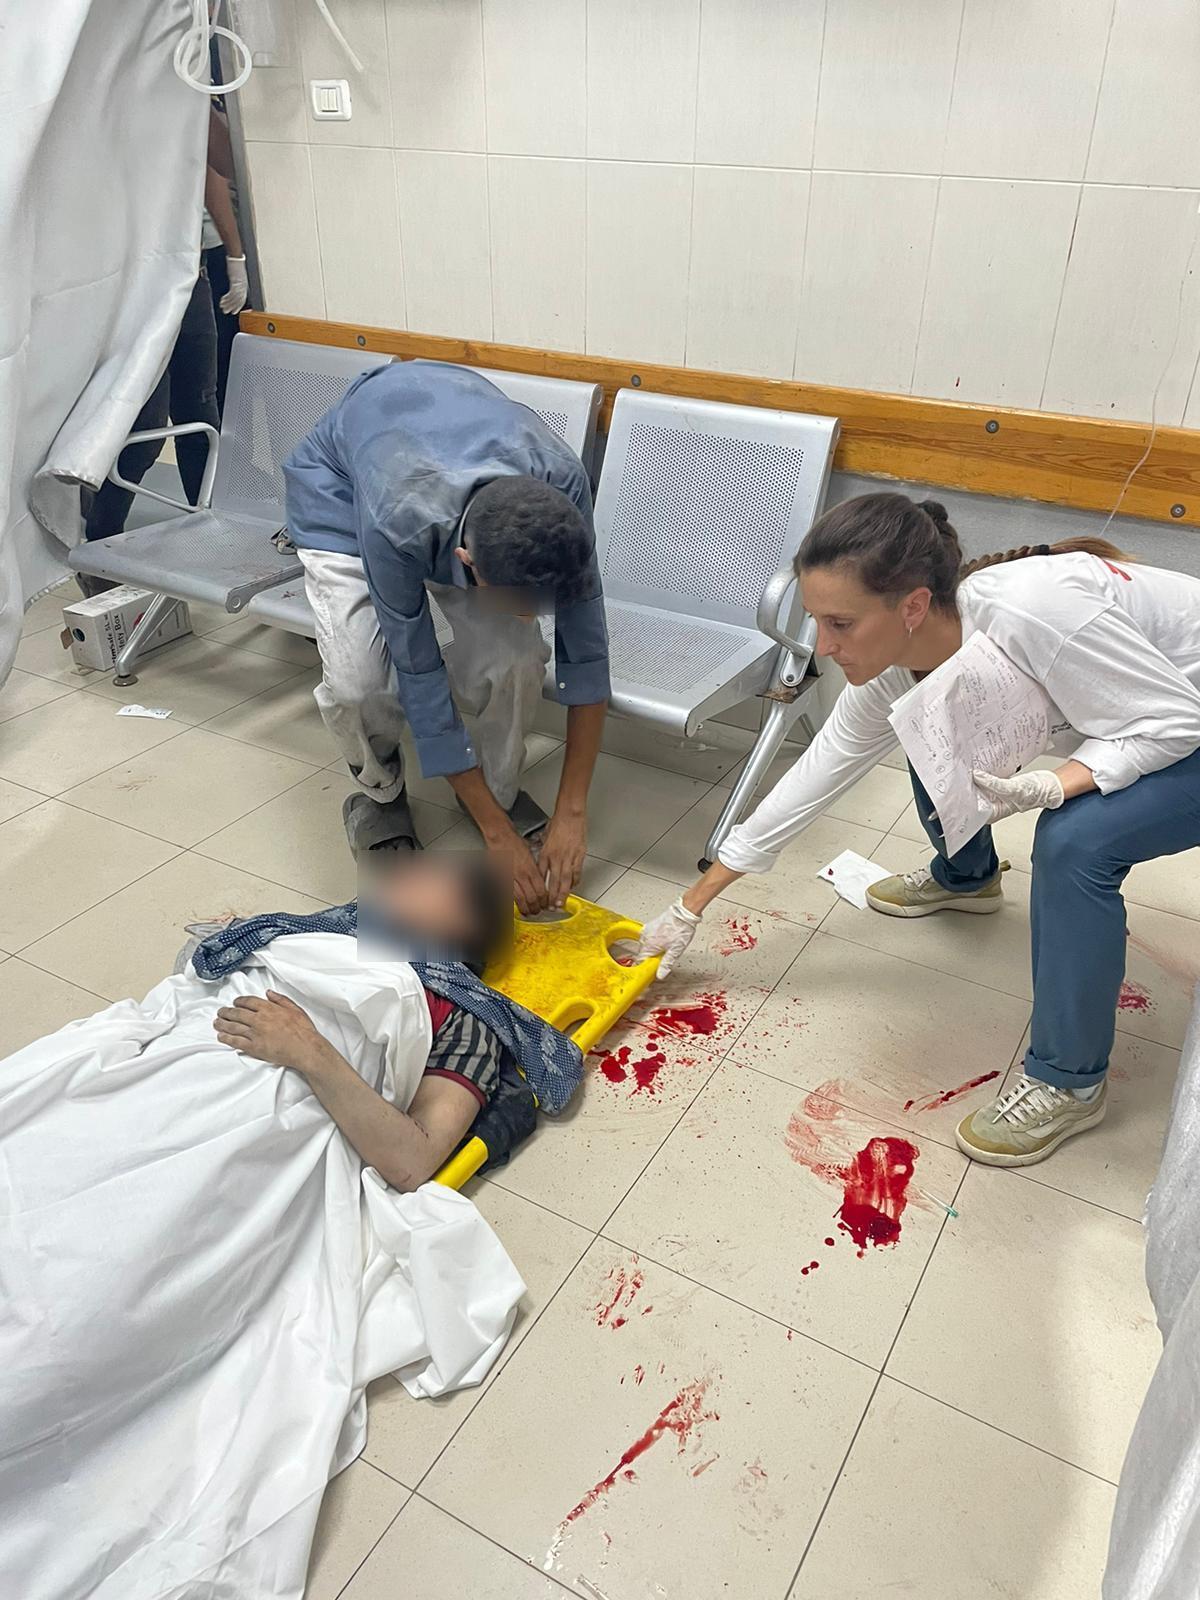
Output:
x=223 y=551
x=568 y=408
x=700 y=510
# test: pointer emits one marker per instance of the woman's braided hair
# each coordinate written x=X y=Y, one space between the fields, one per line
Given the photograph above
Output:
x=896 y=545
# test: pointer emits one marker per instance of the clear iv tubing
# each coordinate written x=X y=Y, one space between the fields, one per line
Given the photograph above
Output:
x=191 y=58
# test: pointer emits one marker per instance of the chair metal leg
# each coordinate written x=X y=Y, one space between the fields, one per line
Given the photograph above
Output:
x=774 y=731
x=155 y=613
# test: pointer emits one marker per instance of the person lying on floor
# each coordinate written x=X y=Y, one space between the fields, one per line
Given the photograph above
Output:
x=202 y=1274
x=457 y=903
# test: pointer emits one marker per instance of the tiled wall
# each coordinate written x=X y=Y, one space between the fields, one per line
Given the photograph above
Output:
x=992 y=200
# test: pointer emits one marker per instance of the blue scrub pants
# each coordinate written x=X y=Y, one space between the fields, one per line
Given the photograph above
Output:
x=1081 y=855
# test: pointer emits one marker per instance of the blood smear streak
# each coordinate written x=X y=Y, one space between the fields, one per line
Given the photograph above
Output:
x=737 y=936
x=932 y=1102
x=680 y=1416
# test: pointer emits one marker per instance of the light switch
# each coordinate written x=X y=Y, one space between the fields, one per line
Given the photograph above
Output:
x=330 y=99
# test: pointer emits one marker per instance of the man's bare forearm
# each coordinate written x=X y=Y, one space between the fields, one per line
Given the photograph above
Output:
x=585 y=728
x=219 y=203
x=471 y=787
x=400 y=1149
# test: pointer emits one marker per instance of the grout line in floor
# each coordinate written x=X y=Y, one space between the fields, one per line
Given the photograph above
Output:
x=874 y=1391
x=511 y=1554
x=514 y=1356
x=742 y=1305
x=375 y=1545
x=1004 y=1432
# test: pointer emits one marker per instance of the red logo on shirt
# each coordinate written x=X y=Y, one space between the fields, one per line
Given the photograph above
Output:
x=1119 y=572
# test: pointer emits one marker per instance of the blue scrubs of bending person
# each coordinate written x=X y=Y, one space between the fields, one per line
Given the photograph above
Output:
x=426 y=481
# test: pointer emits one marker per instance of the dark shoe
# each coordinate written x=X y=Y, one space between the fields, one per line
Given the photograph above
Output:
x=374 y=827
x=526 y=816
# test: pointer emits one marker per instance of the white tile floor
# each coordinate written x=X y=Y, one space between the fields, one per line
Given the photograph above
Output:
x=944 y=1417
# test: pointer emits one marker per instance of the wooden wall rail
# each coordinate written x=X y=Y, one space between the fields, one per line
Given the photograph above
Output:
x=1030 y=455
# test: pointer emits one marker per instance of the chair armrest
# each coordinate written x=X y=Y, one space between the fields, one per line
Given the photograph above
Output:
x=210 y=464
x=770 y=608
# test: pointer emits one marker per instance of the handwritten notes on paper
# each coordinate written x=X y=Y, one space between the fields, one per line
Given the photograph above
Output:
x=977 y=712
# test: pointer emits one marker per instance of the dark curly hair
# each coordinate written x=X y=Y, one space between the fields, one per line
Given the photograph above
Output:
x=894 y=545
x=523 y=534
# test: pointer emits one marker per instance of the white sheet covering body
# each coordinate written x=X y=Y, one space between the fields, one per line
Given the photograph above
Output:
x=1154 y=1549
x=198 y=1280
x=101 y=184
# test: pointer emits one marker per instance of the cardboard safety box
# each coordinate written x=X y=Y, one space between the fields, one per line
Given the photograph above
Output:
x=96 y=630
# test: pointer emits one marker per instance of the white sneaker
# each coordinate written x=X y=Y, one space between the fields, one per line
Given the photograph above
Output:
x=1027 y=1123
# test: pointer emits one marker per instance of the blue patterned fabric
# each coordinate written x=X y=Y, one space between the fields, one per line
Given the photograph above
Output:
x=551 y=1062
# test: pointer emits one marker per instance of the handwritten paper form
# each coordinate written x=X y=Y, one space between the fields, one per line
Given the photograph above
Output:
x=977 y=712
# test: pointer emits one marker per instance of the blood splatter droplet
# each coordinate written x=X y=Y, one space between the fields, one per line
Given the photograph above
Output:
x=680 y=1416
x=1134 y=998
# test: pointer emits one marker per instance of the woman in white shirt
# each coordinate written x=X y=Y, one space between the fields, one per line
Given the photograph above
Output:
x=1116 y=646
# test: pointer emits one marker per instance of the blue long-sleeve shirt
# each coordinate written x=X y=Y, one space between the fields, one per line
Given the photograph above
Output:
x=386 y=476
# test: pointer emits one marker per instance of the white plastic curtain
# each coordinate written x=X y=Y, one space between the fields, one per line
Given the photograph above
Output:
x=1154 y=1551
x=101 y=185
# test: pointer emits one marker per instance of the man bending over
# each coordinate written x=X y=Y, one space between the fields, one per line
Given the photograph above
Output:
x=426 y=479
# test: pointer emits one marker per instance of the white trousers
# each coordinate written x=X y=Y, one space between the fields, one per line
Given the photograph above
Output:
x=495 y=664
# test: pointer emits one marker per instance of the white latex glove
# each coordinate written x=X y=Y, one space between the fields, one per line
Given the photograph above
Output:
x=1028 y=791
x=234 y=297
x=669 y=936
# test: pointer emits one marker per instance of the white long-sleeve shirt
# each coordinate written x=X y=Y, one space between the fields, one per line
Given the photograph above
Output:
x=1116 y=647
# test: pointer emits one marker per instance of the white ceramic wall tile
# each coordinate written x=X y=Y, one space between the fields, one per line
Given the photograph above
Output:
x=995 y=274
x=445 y=237
x=1148 y=120
x=435 y=62
x=535 y=64
x=539 y=246
x=747 y=257
x=285 y=229
x=271 y=101
x=1025 y=88
x=759 y=64
x=638 y=241
x=362 y=21
x=641 y=85
x=864 y=278
x=887 y=73
x=359 y=232
x=1132 y=247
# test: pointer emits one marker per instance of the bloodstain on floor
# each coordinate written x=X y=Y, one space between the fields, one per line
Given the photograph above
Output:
x=681 y=1416
x=702 y=1016
x=617 y=1298
x=1134 y=998
x=704 y=1466
x=619 y=1065
x=876 y=1191
x=643 y=1063
x=874 y=1181
x=932 y=1102
x=737 y=936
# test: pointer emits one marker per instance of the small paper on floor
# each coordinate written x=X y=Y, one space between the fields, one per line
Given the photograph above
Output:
x=144 y=711
x=852 y=875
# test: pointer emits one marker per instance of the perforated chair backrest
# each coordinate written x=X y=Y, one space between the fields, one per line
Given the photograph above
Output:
x=568 y=408
x=700 y=502
x=278 y=391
